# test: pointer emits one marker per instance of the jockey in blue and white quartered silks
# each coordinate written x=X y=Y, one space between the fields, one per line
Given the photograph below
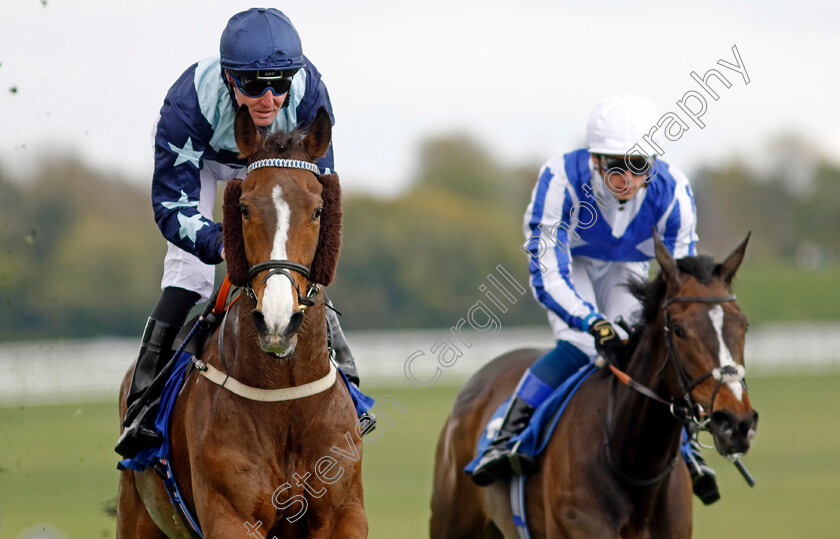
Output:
x=588 y=230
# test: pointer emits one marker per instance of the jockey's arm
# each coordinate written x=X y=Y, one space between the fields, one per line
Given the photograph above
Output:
x=678 y=226
x=315 y=97
x=548 y=221
x=176 y=186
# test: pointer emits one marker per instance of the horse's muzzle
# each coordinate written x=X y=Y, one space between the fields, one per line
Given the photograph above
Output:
x=278 y=343
x=733 y=434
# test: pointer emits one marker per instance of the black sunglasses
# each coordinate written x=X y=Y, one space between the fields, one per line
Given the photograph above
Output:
x=257 y=83
x=639 y=166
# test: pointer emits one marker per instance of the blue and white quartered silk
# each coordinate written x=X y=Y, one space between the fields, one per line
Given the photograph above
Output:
x=583 y=244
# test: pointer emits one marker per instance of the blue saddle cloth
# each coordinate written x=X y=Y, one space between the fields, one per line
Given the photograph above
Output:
x=533 y=440
x=157 y=458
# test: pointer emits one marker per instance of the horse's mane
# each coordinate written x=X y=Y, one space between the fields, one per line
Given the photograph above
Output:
x=280 y=144
x=650 y=293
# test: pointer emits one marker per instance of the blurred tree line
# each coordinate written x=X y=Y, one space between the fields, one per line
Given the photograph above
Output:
x=80 y=254
x=789 y=196
x=419 y=260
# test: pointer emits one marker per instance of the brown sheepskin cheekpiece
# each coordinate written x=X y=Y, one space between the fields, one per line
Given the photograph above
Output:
x=237 y=264
x=329 y=240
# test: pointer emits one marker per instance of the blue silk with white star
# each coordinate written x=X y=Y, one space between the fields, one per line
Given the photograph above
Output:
x=196 y=126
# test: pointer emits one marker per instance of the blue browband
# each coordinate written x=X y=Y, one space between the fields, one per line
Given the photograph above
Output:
x=285 y=163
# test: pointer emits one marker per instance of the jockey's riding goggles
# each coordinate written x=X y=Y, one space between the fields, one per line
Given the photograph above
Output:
x=257 y=83
x=639 y=166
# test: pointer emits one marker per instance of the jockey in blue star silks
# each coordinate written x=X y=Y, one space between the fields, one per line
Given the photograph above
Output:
x=588 y=230
x=261 y=66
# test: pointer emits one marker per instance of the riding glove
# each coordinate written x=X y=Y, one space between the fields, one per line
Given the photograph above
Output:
x=607 y=342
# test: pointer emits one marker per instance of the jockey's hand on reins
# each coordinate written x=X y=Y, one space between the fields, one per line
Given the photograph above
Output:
x=607 y=341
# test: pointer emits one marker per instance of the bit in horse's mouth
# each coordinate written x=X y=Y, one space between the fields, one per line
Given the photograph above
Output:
x=732 y=457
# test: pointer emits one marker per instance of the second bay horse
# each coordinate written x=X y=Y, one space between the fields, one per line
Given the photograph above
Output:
x=612 y=467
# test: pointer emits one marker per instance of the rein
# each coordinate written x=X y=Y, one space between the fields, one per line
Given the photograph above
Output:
x=611 y=460
x=685 y=410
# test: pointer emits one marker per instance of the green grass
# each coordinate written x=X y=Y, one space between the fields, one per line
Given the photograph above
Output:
x=57 y=466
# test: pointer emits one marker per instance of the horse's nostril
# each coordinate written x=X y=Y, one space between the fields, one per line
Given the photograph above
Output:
x=294 y=324
x=259 y=322
x=722 y=416
x=747 y=426
x=723 y=423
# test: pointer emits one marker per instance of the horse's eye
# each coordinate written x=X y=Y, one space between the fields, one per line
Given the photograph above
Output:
x=245 y=212
x=317 y=214
x=678 y=331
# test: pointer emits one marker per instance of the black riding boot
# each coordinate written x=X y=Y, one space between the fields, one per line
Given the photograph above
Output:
x=344 y=359
x=155 y=352
x=499 y=462
x=702 y=476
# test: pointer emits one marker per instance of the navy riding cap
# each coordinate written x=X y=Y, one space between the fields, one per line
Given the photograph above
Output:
x=260 y=39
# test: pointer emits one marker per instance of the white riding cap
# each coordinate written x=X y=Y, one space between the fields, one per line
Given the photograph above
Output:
x=617 y=123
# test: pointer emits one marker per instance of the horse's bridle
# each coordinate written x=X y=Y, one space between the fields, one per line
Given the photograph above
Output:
x=284 y=267
x=686 y=410
x=689 y=410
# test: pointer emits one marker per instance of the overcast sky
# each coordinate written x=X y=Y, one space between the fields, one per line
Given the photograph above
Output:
x=90 y=75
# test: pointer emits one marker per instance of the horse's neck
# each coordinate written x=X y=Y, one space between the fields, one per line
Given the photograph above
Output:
x=249 y=364
x=644 y=434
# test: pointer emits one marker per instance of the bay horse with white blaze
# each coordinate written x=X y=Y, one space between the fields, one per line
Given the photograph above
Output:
x=612 y=467
x=235 y=453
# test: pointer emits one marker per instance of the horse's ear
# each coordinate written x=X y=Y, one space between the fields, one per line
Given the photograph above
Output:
x=248 y=137
x=666 y=262
x=323 y=266
x=317 y=140
x=729 y=267
x=234 y=244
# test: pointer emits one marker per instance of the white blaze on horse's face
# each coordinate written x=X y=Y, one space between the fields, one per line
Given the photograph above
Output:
x=278 y=303
x=724 y=355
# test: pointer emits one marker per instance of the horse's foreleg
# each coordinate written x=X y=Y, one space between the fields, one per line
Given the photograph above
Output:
x=133 y=520
x=456 y=501
x=352 y=524
x=340 y=518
